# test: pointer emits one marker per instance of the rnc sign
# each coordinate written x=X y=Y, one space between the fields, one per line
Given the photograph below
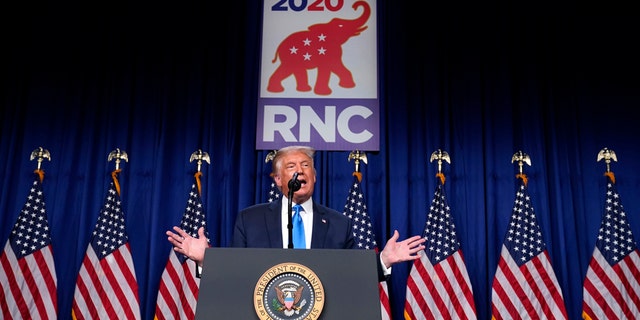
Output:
x=319 y=75
x=330 y=127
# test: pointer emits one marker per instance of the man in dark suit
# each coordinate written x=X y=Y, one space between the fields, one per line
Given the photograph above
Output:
x=260 y=226
x=266 y=225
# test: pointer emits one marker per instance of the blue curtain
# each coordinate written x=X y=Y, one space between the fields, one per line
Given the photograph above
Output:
x=478 y=82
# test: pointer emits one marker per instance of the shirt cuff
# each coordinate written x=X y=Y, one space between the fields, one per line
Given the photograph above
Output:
x=198 y=271
x=386 y=271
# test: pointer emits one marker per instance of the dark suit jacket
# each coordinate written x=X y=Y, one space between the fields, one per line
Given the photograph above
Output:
x=260 y=226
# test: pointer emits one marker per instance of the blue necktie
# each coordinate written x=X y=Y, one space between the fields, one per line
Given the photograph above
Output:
x=298 y=228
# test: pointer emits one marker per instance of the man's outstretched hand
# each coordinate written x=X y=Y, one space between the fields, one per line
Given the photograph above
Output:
x=405 y=250
x=189 y=246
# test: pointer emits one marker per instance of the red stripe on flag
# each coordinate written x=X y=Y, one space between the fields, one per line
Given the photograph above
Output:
x=82 y=289
x=516 y=287
x=13 y=284
x=619 y=294
x=179 y=290
x=115 y=284
x=44 y=263
x=31 y=285
x=438 y=299
x=505 y=294
x=166 y=294
x=98 y=298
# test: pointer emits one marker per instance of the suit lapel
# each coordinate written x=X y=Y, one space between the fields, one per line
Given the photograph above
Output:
x=274 y=224
x=320 y=227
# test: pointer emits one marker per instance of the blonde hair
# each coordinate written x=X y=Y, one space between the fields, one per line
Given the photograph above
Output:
x=277 y=159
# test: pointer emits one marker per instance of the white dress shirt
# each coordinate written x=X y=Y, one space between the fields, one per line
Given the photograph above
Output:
x=307 y=219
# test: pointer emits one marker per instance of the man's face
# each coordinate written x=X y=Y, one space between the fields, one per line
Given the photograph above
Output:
x=297 y=162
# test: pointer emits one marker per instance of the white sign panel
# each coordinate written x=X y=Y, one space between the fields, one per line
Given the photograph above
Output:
x=319 y=75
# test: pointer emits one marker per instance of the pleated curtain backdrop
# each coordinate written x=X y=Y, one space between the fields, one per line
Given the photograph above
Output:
x=481 y=81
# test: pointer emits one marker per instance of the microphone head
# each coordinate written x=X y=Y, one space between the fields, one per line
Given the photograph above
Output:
x=294 y=183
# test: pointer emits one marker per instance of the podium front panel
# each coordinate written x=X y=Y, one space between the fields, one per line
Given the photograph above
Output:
x=349 y=280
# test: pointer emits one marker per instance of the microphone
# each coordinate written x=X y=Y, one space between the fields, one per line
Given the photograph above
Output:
x=294 y=183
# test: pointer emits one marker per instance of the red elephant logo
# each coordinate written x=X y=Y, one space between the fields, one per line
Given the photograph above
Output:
x=319 y=47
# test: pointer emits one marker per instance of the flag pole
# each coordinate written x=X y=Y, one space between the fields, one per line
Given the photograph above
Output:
x=521 y=158
x=608 y=155
x=200 y=156
x=40 y=154
x=357 y=156
x=440 y=156
x=118 y=155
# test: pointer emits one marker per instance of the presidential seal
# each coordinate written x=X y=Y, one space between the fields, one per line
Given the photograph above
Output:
x=288 y=291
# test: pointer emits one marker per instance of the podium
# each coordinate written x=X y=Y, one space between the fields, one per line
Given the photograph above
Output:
x=263 y=283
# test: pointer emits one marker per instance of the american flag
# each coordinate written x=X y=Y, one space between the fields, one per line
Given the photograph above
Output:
x=438 y=286
x=179 y=286
x=274 y=193
x=27 y=271
x=356 y=209
x=106 y=287
x=611 y=287
x=525 y=285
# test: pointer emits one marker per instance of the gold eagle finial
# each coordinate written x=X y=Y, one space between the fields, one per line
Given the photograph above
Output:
x=270 y=156
x=118 y=155
x=200 y=156
x=522 y=158
x=440 y=156
x=357 y=156
x=40 y=154
x=607 y=155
